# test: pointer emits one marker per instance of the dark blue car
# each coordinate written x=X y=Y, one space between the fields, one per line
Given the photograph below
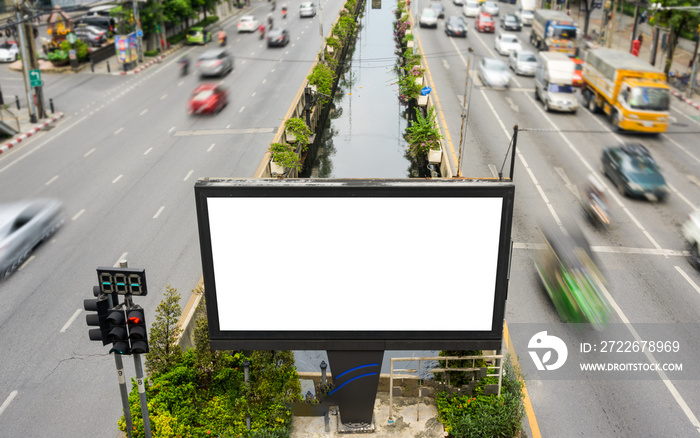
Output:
x=634 y=172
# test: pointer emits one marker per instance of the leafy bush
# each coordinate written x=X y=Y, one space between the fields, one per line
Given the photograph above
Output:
x=322 y=77
x=203 y=393
x=57 y=57
x=151 y=53
x=81 y=49
x=297 y=127
x=487 y=416
x=423 y=134
x=284 y=155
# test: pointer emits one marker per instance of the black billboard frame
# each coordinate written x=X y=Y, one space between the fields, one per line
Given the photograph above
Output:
x=353 y=340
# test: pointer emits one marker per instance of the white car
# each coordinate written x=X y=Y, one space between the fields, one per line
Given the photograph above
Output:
x=507 y=43
x=307 y=9
x=490 y=8
x=471 y=8
x=428 y=18
x=493 y=73
x=523 y=62
x=9 y=51
x=247 y=23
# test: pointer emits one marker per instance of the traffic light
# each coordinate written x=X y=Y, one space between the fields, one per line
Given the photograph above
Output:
x=118 y=334
x=138 y=333
x=99 y=319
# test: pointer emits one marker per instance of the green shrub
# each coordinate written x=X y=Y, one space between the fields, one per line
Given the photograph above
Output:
x=423 y=134
x=322 y=77
x=284 y=155
x=151 y=53
x=485 y=416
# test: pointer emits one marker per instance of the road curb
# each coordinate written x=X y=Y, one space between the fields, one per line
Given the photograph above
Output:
x=685 y=99
x=155 y=60
x=20 y=138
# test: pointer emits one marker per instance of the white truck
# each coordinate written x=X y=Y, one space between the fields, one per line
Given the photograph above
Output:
x=554 y=79
x=526 y=11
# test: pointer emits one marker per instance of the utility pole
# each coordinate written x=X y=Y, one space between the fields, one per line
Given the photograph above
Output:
x=694 y=74
x=137 y=25
x=611 y=26
x=25 y=63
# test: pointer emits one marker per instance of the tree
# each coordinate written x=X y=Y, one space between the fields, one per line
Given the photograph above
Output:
x=164 y=334
x=177 y=11
x=676 y=20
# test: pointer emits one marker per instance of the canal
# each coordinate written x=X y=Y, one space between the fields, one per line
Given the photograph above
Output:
x=363 y=135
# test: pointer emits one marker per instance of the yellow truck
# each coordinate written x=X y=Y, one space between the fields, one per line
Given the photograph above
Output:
x=631 y=92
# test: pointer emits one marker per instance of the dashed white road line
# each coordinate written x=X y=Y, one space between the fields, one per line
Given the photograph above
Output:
x=70 y=320
x=147 y=151
x=117 y=179
x=51 y=180
x=189 y=174
x=78 y=214
x=7 y=401
x=118 y=130
x=88 y=153
x=211 y=147
x=160 y=210
x=143 y=112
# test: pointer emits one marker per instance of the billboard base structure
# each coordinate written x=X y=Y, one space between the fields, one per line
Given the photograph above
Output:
x=355 y=383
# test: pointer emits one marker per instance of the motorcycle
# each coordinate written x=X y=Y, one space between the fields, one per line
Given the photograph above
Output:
x=184 y=67
x=261 y=30
x=222 y=40
x=284 y=12
x=595 y=204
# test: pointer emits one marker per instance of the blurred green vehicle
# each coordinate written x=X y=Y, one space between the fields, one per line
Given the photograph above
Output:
x=571 y=278
x=198 y=35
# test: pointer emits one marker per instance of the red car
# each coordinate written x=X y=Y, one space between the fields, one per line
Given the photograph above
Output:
x=207 y=98
x=578 y=72
x=484 y=23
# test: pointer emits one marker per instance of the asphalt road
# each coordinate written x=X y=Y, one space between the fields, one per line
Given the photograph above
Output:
x=649 y=278
x=124 y=161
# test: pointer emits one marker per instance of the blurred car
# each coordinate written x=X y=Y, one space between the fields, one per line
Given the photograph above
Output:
x=484 y=23
x=307 y=9
x=197 y=35
x=207 y=99
x=458 y=2
x=490 y=8
x=456 y=26
x=511 y=22
x=215 y=62
x=471 y=8
x=634 y=172
x=523 y=62
x=23 y=226
x=493 y=73
x=507 y=43
x=578 y=72
x=526 y=17
x=277 y=37
x=106 y=24
x=9 y=51
x=428 y=18
x=691 y=232
x=247 y=23
x=93 y=36
x=439 y=9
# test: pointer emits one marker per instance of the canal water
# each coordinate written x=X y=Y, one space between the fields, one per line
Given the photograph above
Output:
x=363 y=136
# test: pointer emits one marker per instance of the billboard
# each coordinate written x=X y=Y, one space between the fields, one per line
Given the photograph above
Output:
x=365 y=264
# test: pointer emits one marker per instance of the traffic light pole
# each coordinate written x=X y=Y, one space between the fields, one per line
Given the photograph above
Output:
x=138 y=367
x=123 y=391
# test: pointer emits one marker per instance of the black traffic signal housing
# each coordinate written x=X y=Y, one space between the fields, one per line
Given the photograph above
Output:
x=118 y=334
x=138 y=333
x=99 y=319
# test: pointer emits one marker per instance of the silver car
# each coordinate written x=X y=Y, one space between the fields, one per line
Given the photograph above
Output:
x=307 y=9
x=428 y=18
x=523 y=62
x=471 y=8
x=493 y=73
x=490 y=8
x=216 y=62
x=23 y=226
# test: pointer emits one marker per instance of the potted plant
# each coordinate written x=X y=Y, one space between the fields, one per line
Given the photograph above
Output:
x=283 y=157
x=295 y=130
x=423 y=134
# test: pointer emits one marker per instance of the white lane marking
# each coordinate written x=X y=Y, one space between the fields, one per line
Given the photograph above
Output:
x=89 y=152
x=160 y=210
x=445 y=64
x=694 y=180
x=666 y=137
x=679 y=194
x=252 y=95
x=147 y=151
x=163 y=96
x=189 y=174
x=567 y=182
x=78 y=214
x=7 y=401
x=26 y=262
x=211 y=147
x=143 y=112
x=51 y=180
x=241 y=110
x=494 y=171
x=70 y=321
x=171 y=130
x=512 y=104
x=118 y=130
x=117 y=179
x=688 y=279
x=264 y=80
